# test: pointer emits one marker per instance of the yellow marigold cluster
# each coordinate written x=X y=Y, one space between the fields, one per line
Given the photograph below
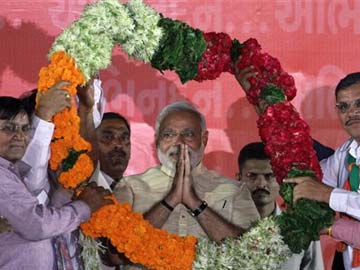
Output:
x=131 y=234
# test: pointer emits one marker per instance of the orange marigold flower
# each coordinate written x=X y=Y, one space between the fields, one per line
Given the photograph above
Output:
x=140 y=242
x=80 y=172
x=81 y=144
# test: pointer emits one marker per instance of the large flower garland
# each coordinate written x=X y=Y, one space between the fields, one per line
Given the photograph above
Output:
x=288 y=143
x=132 y=235
x=86 y=46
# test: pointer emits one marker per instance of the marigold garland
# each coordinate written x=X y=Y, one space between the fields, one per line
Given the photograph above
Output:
x=139 y=240
x=136 y=231
x=81 y=170
x=67 y=123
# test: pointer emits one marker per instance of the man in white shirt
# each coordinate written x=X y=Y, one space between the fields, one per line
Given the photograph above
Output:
x=113 y=147
x=341 y=174
x=255 y=171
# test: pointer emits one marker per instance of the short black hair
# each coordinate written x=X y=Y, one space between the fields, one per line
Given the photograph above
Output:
x=347 y=81
x=254 y=150
x=113 y=115
x=29 y=100
x=10 y=107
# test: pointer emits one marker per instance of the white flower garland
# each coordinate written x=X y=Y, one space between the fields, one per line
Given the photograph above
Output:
x=262 y=248
x=90 y=39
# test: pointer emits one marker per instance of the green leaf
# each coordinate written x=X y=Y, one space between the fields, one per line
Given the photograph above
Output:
x=286 y=192
x=235 y=50
x=71 y=159
x=301 y=222
x=286 y=189
x=272 y=94
x=295 y=172
x=180 y=49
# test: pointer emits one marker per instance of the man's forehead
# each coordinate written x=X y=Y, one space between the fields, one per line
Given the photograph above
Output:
x=181 y=118
x=258 y=165
x=113 y=125
x=349 y=93
x=105 y=130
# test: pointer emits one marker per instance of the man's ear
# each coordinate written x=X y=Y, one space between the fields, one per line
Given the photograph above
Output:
x=238 y=176
x=205 y=137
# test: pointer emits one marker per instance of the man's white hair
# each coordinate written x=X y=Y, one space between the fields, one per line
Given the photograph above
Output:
x=179 y=106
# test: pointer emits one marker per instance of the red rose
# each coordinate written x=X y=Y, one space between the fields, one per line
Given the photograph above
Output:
x=269 y=71
x=287 y=140
x=216 y=58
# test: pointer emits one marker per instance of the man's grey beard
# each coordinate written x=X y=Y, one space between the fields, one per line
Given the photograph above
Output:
x=169 y=159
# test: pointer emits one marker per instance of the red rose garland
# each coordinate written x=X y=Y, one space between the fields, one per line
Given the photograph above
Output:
x=288 y=143
x=287 y=140
x=285 y=134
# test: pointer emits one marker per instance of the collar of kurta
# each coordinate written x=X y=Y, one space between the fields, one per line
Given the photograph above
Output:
x=353 y=149
x=20 y=168
x=106 y=180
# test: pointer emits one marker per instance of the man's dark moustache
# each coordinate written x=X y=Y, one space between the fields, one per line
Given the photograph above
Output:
x=260 y=190
x=352 y=119
x=118 y=153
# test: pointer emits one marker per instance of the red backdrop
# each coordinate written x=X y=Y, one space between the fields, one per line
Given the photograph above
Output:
x=316 y=42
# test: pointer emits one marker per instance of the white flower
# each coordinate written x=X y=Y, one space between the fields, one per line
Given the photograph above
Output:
x=90 y=252
x=144 y=41
x=261 y=248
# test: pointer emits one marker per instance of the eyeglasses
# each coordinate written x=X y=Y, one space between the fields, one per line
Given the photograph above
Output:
x=12 y=128
x=267 y=176
x=169 y=135
x=343 y=106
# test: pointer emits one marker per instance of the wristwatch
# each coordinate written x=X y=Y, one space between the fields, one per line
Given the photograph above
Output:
x=199 y=210
x=166 y=205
